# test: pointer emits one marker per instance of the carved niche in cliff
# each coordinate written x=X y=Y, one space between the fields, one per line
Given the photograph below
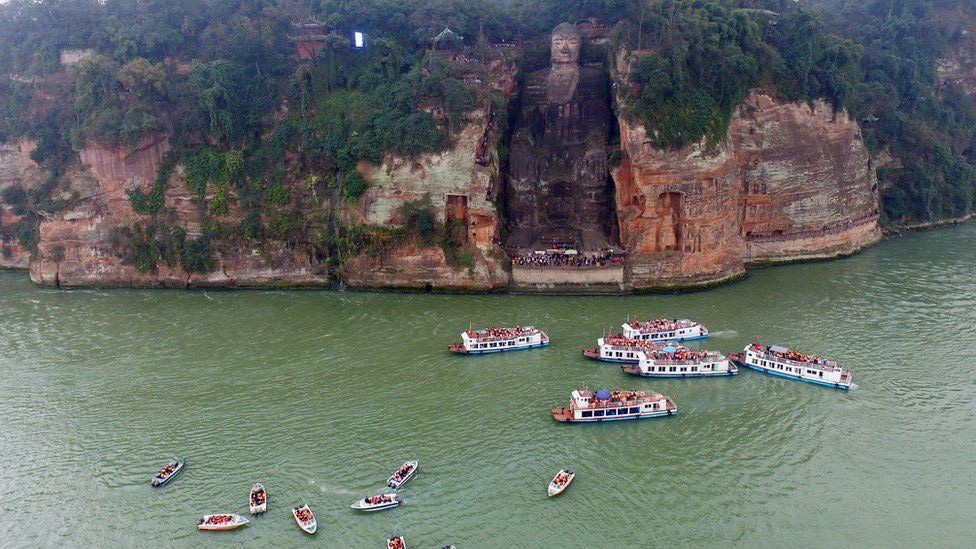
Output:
x=558 y=180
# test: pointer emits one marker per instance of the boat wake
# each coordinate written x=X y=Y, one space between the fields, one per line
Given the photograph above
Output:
x=723 y=333
x=333 y=490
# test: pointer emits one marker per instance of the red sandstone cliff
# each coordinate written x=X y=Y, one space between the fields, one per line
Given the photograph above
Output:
x=16 y=168
x=791 y=181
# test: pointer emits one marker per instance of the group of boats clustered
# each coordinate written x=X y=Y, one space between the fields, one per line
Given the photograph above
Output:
x=643 y=348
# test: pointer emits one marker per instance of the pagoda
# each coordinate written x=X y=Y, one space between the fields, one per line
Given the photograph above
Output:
x=310 y=37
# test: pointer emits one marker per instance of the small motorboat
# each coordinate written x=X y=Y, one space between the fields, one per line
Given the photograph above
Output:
x=218 y=522
x=377 y=502
x=560 y=482
x=305 y=519
x=402 y=475
x=258 y=500
x=167 y=473
x=396 y=541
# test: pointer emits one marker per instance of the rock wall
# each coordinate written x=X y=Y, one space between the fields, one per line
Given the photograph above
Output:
x=791 y=181
x=16 y=168
x=459 y=187
x=675 y=211
x=807 y=181
x=78 y=246
x=959 y=65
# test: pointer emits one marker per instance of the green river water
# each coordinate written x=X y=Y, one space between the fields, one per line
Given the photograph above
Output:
x=320 y=395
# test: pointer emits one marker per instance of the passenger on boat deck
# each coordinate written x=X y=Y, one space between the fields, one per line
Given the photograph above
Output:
x=499 y=333
x=660 y=324
x=303 y=515
x=396 y=543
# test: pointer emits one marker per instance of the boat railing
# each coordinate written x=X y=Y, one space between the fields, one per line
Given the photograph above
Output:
x=672 y=362
x=827 y=367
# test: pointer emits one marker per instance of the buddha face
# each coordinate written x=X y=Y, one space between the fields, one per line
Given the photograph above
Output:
x=565 y=48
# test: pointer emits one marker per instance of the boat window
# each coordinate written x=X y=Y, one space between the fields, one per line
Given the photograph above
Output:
x=694 y=368
x=672 y=369
x=622 y=411
x=821 y=374
x=683 y=369
x=630 y=355
x=612 y=412
x=660 y=368
x=597 y=413
x=655 y=405
x=588 y=413
x=635 y=410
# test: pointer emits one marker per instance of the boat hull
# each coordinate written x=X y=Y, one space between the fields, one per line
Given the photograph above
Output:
x=395 y=485
x=564 y=418
x=223 y=527
x=179 y=469
x=744 y=364
x=594 y=354
x=555 y=490
x=309 y=527
x=731 y=372
x=460 y=350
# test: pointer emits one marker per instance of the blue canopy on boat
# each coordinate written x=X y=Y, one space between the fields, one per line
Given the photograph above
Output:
x=669 y=349
x=603 y=394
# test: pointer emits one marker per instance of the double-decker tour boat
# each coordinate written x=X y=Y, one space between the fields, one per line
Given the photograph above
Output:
x=588 y=407
x=672 y=361
x=617 y=348
x=783 y=362
x=663 y=329
x=496 y=340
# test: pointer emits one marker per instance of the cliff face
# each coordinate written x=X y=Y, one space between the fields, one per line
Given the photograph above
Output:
x=16 y=168
x=808 y=186
x=79 y=246
x=791 y=181
x=459 y=187
x=675 y=211
x=959 y=65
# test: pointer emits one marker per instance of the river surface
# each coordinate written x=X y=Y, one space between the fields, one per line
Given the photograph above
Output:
x=320 y=395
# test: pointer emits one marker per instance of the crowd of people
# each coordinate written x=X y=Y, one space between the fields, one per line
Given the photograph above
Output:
x=258 y=497
x=567 y=260
x=165 y=472
x=395 y=542
x=624 y=397
x=656 y=325
x=303 y=515
x=402 y=473
x=500 y=333
x=680 y=354
x=618 y=340
x=791 y=355
x=377 y=500
x=561 y=478
x=217 y=519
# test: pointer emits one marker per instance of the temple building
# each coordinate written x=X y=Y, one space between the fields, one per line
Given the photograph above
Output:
x=310 y=37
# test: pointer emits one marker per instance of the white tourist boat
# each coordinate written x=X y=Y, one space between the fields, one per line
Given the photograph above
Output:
x=496 y=340
x=258 y=499
x=586 y=406
x=560 y=482
x=305 y=519
x=783 y=362
x=670 y=361
x=168 y=473
x=402 y=475
x=223 y=521
x=617 y=348
x=664 y=329
x=377 y=502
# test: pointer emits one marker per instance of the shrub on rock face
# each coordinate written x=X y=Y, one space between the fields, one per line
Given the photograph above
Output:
x=196 y=255
x=14 y=195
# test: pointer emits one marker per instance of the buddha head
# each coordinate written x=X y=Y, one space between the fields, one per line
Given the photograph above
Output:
x=566 y=42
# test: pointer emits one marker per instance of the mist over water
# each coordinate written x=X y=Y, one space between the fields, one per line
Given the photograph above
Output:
x=321 y=395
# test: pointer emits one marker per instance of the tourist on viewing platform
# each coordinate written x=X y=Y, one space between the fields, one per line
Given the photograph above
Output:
x=552 y=259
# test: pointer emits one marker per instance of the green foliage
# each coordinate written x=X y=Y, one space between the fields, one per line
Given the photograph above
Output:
x=150 y=204
x=196 y=256
x=14 y=196
x=353 y=186
x=251 y=225
x=26 y=233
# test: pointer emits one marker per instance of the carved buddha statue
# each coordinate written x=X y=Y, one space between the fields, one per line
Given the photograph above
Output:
x=558 y=181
